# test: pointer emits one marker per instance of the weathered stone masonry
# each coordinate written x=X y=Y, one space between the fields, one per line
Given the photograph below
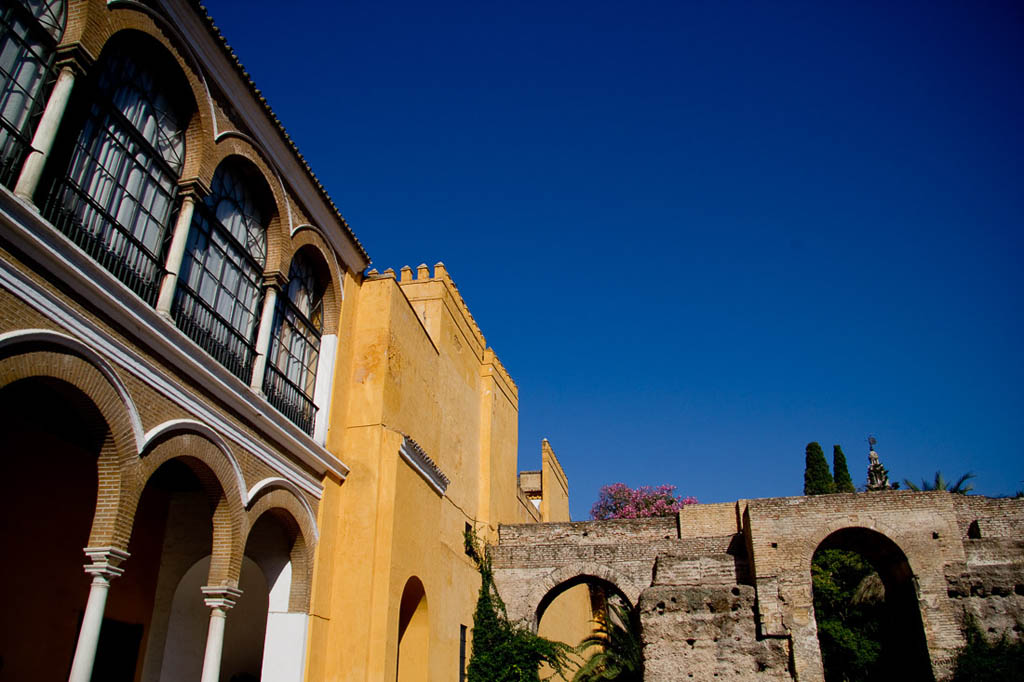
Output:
x=724 y=590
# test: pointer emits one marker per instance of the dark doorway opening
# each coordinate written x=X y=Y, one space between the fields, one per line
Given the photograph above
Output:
x=866 y=607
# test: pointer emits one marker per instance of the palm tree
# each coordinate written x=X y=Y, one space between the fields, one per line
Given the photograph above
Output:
x=941 y=483
x=619 y=654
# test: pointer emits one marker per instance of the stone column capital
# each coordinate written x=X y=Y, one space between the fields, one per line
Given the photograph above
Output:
x=105 y=562
x=221 y=597
x=275 y=280
x=74 y=56
x=194 y=188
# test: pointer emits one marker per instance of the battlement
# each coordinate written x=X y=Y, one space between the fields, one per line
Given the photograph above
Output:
x=412 y=282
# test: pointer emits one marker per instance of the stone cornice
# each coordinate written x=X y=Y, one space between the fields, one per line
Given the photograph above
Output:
x=104 y=562
x=221 y=596
x=414 y=455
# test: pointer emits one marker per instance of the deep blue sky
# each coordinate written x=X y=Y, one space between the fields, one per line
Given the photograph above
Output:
x=699 y=235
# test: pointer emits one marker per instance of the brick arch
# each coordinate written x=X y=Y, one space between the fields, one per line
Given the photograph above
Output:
x=35 y=353
x=310 y=237
x=294 y=518
x=899 y=571
x=554 y=582
x=104 y=23
x=175 y=426
x=216 y=472
x=813 y=541
x=301 y=509
x=234 y=144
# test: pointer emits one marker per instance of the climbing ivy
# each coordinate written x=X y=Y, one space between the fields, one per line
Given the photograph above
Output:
x=988 y=661
x=504 y=651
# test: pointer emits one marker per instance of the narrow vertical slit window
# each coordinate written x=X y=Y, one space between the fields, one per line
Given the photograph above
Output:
x=218 y=296
x=462 y=653
x=290 y=378
x=29 y=33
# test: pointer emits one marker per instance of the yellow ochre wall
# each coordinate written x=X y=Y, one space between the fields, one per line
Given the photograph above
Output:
x=412 y=363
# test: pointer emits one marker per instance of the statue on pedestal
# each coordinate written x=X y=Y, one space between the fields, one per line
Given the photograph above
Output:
x=878 y=477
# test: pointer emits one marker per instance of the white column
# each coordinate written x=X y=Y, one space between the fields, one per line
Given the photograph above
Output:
x=259 y=364
x=220 y=600
x=323 y=386
x=42 y=141
x=103 y=568
x=175 y=254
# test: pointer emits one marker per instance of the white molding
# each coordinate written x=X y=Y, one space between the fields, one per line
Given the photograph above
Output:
x=23 y=227
x=97 y=361
x=221 y=596
x=268 y=483
x=339 y=271
x=200 y=429
x=414 y=455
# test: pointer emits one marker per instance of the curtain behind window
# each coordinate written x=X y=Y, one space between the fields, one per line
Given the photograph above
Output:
x=127 y=160
x=29 y=33
x=223 y=269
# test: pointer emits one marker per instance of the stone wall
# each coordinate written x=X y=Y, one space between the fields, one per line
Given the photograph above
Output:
x=989 y=585
x=724 y=591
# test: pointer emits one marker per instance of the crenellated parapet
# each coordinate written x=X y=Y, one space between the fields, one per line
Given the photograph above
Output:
x=423 y=287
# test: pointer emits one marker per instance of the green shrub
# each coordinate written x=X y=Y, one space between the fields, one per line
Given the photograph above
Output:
x=983 y=661
x=504 y=651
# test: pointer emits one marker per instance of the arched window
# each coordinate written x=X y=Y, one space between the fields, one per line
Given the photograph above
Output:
x=116 y=198
x=29 y=33
x=290 y=377
x=217 y=301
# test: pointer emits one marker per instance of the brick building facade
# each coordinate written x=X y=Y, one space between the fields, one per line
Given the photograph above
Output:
x=268 y=458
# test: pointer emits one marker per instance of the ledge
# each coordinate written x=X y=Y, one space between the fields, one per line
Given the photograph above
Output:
x=414 y=455
x=23 y=226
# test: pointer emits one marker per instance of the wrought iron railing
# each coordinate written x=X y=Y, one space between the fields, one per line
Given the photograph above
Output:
x=27 y=75
x=217 y=337
x=13 y=149
x=102 y=237
x=289 y=399
x=293 y=355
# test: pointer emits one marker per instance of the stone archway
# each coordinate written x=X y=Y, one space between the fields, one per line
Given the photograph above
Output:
x=896 y=624
x=51 y=480
x=548 y=588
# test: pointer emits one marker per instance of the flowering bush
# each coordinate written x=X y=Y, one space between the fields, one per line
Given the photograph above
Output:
x=619 y=501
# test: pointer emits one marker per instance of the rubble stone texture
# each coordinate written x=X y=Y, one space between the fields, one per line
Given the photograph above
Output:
x=724 y=590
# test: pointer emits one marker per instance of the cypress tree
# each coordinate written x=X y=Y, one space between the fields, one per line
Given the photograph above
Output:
x=841 y=475
x=817 y=477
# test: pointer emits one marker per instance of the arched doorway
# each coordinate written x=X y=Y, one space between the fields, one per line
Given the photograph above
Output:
x=174 y=525
x=413 y=633
x=276 y=648
x=583 y=605
x=53 y=436
x=866 y=609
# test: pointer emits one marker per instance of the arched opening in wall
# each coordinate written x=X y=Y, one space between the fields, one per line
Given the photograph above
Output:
x=53 y=436
x=218 y=294
x=113 y=179
x=590 y=607
x=289 y=381
x=172 y=539
x=866 y=608
x=413 y=633
x=266 y=641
